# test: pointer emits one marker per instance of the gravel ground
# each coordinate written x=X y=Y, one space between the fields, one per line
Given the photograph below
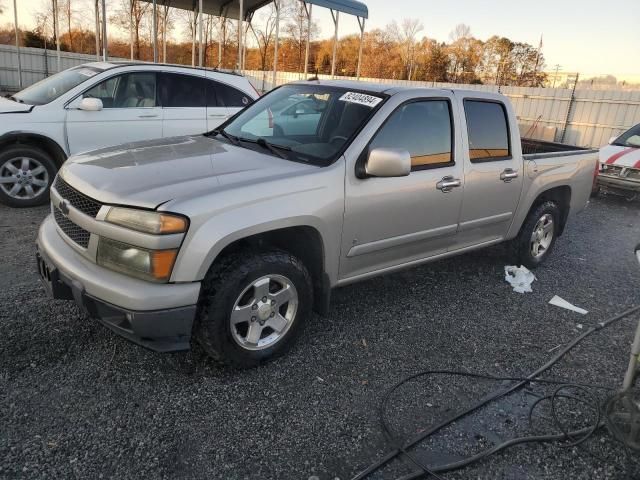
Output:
x=76 y=401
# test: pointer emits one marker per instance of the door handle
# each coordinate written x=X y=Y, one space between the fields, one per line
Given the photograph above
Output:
x=213 y=115
x=151 y=115
x=447 y=183
x=508 y=174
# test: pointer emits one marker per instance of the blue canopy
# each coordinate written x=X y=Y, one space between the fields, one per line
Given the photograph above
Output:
x=351 y=7
x=231 y=8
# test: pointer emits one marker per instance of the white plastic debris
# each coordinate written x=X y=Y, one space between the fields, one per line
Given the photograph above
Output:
x=520 y=278
x=562 y=303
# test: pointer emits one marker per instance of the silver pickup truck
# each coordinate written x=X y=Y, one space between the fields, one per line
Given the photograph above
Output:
x=232 y=238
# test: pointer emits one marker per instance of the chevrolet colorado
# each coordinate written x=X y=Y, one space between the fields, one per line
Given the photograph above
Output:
x=233 y=237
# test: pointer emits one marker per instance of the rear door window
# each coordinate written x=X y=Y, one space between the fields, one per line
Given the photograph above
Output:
x=488 y=131
x=182 y=91
x=227 y=96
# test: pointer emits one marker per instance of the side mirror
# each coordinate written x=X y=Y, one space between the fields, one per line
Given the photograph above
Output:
x=90 y=104
x=388 y=162
x=611 y=140
x=638 y=252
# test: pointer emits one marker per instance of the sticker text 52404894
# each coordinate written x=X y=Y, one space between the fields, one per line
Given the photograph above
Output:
x=361 y=99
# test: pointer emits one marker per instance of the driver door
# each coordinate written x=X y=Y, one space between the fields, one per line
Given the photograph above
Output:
x=130 y=113
x=400 y=220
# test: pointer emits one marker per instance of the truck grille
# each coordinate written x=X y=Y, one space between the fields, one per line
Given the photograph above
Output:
x=74 y=232
x=80 y=201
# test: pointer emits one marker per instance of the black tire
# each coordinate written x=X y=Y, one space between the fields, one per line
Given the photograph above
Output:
x=38 y=155
x=223 y=285
x=522 y=244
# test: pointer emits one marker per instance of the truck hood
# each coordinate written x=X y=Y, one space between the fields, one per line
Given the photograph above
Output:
x=623 y=156
x=9 y=106
x=148 y=174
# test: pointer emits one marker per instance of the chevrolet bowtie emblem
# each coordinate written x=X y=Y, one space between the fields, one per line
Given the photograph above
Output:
x=64 y=207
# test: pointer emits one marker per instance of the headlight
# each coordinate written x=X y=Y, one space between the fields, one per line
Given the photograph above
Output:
x=152 y=265
x=146 y=221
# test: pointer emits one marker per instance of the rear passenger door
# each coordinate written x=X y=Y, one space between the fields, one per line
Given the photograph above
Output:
x=183 y=100
x=493 y=172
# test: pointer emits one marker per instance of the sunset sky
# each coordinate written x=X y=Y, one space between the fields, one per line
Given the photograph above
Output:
x=588 y=36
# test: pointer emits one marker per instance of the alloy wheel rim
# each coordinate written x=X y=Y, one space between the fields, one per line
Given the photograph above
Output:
x=542 y=236
x=264 y=312
x=23 y=178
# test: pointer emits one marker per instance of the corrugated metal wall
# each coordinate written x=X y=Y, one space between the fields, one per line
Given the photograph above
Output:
x=588 y=120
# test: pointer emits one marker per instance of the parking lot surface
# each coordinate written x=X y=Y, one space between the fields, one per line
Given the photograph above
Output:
x=76 y=401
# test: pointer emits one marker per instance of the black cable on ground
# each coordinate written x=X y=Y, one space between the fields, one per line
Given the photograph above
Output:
x=403 y=447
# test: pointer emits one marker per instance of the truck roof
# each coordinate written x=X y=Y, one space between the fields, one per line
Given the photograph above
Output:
x=393 y=89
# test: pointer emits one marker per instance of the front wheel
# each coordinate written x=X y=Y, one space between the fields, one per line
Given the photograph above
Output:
x=538 y=235
x=252 y=307
x=26 y=174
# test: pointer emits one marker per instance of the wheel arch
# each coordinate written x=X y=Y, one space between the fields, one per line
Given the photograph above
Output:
x=303 y=241
x=561 y=196
x=37 y=140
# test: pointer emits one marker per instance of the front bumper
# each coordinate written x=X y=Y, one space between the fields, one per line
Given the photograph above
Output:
x=611 y=182
x=156 y=316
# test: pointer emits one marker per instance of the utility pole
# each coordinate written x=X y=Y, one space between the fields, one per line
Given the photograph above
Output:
x=555 y=77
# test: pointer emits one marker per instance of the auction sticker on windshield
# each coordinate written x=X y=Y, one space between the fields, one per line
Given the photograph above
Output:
x=361 y=99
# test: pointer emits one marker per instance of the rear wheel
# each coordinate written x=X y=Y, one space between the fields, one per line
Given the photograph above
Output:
x=538 y=235
x=252 y=307
x=26 y=174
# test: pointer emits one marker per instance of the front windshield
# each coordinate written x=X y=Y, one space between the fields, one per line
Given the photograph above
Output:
x=52 y=87
x=311 y=123
x=630 y=138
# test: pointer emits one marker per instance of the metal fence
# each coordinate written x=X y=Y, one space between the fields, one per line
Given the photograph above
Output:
x=37 y=63
x=586 y=118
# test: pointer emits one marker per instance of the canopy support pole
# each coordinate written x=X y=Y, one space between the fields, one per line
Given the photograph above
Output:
x=220 y=39
x=15 y=19
x=200 y=37
x=97 y=14
x=244 y=43
x=240 y=26
x=105 y=45
x=336 y=18
x=193 y=37
x=55 y=32
x=306 y=52
x=275 y=48
x=361 y=22
x=155 y=32
x=131 y=8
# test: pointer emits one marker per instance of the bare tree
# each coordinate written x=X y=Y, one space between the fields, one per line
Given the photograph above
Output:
x=465 y=54
x=166 y=24
x=406 y=34
x=264 y=32
x=298 y=28
x=131 y=14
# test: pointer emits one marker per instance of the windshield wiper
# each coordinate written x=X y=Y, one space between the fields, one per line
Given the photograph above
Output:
x=272 y=147
x=232 y=138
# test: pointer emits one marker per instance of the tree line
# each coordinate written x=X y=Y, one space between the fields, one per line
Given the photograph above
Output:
x=401 y=50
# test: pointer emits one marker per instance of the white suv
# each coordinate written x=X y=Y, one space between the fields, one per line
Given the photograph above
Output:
x=103 y=104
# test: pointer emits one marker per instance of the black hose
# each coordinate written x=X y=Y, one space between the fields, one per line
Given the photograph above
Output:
x=403 y=448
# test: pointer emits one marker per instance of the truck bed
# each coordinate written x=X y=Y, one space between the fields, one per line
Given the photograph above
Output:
x=533 y=149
